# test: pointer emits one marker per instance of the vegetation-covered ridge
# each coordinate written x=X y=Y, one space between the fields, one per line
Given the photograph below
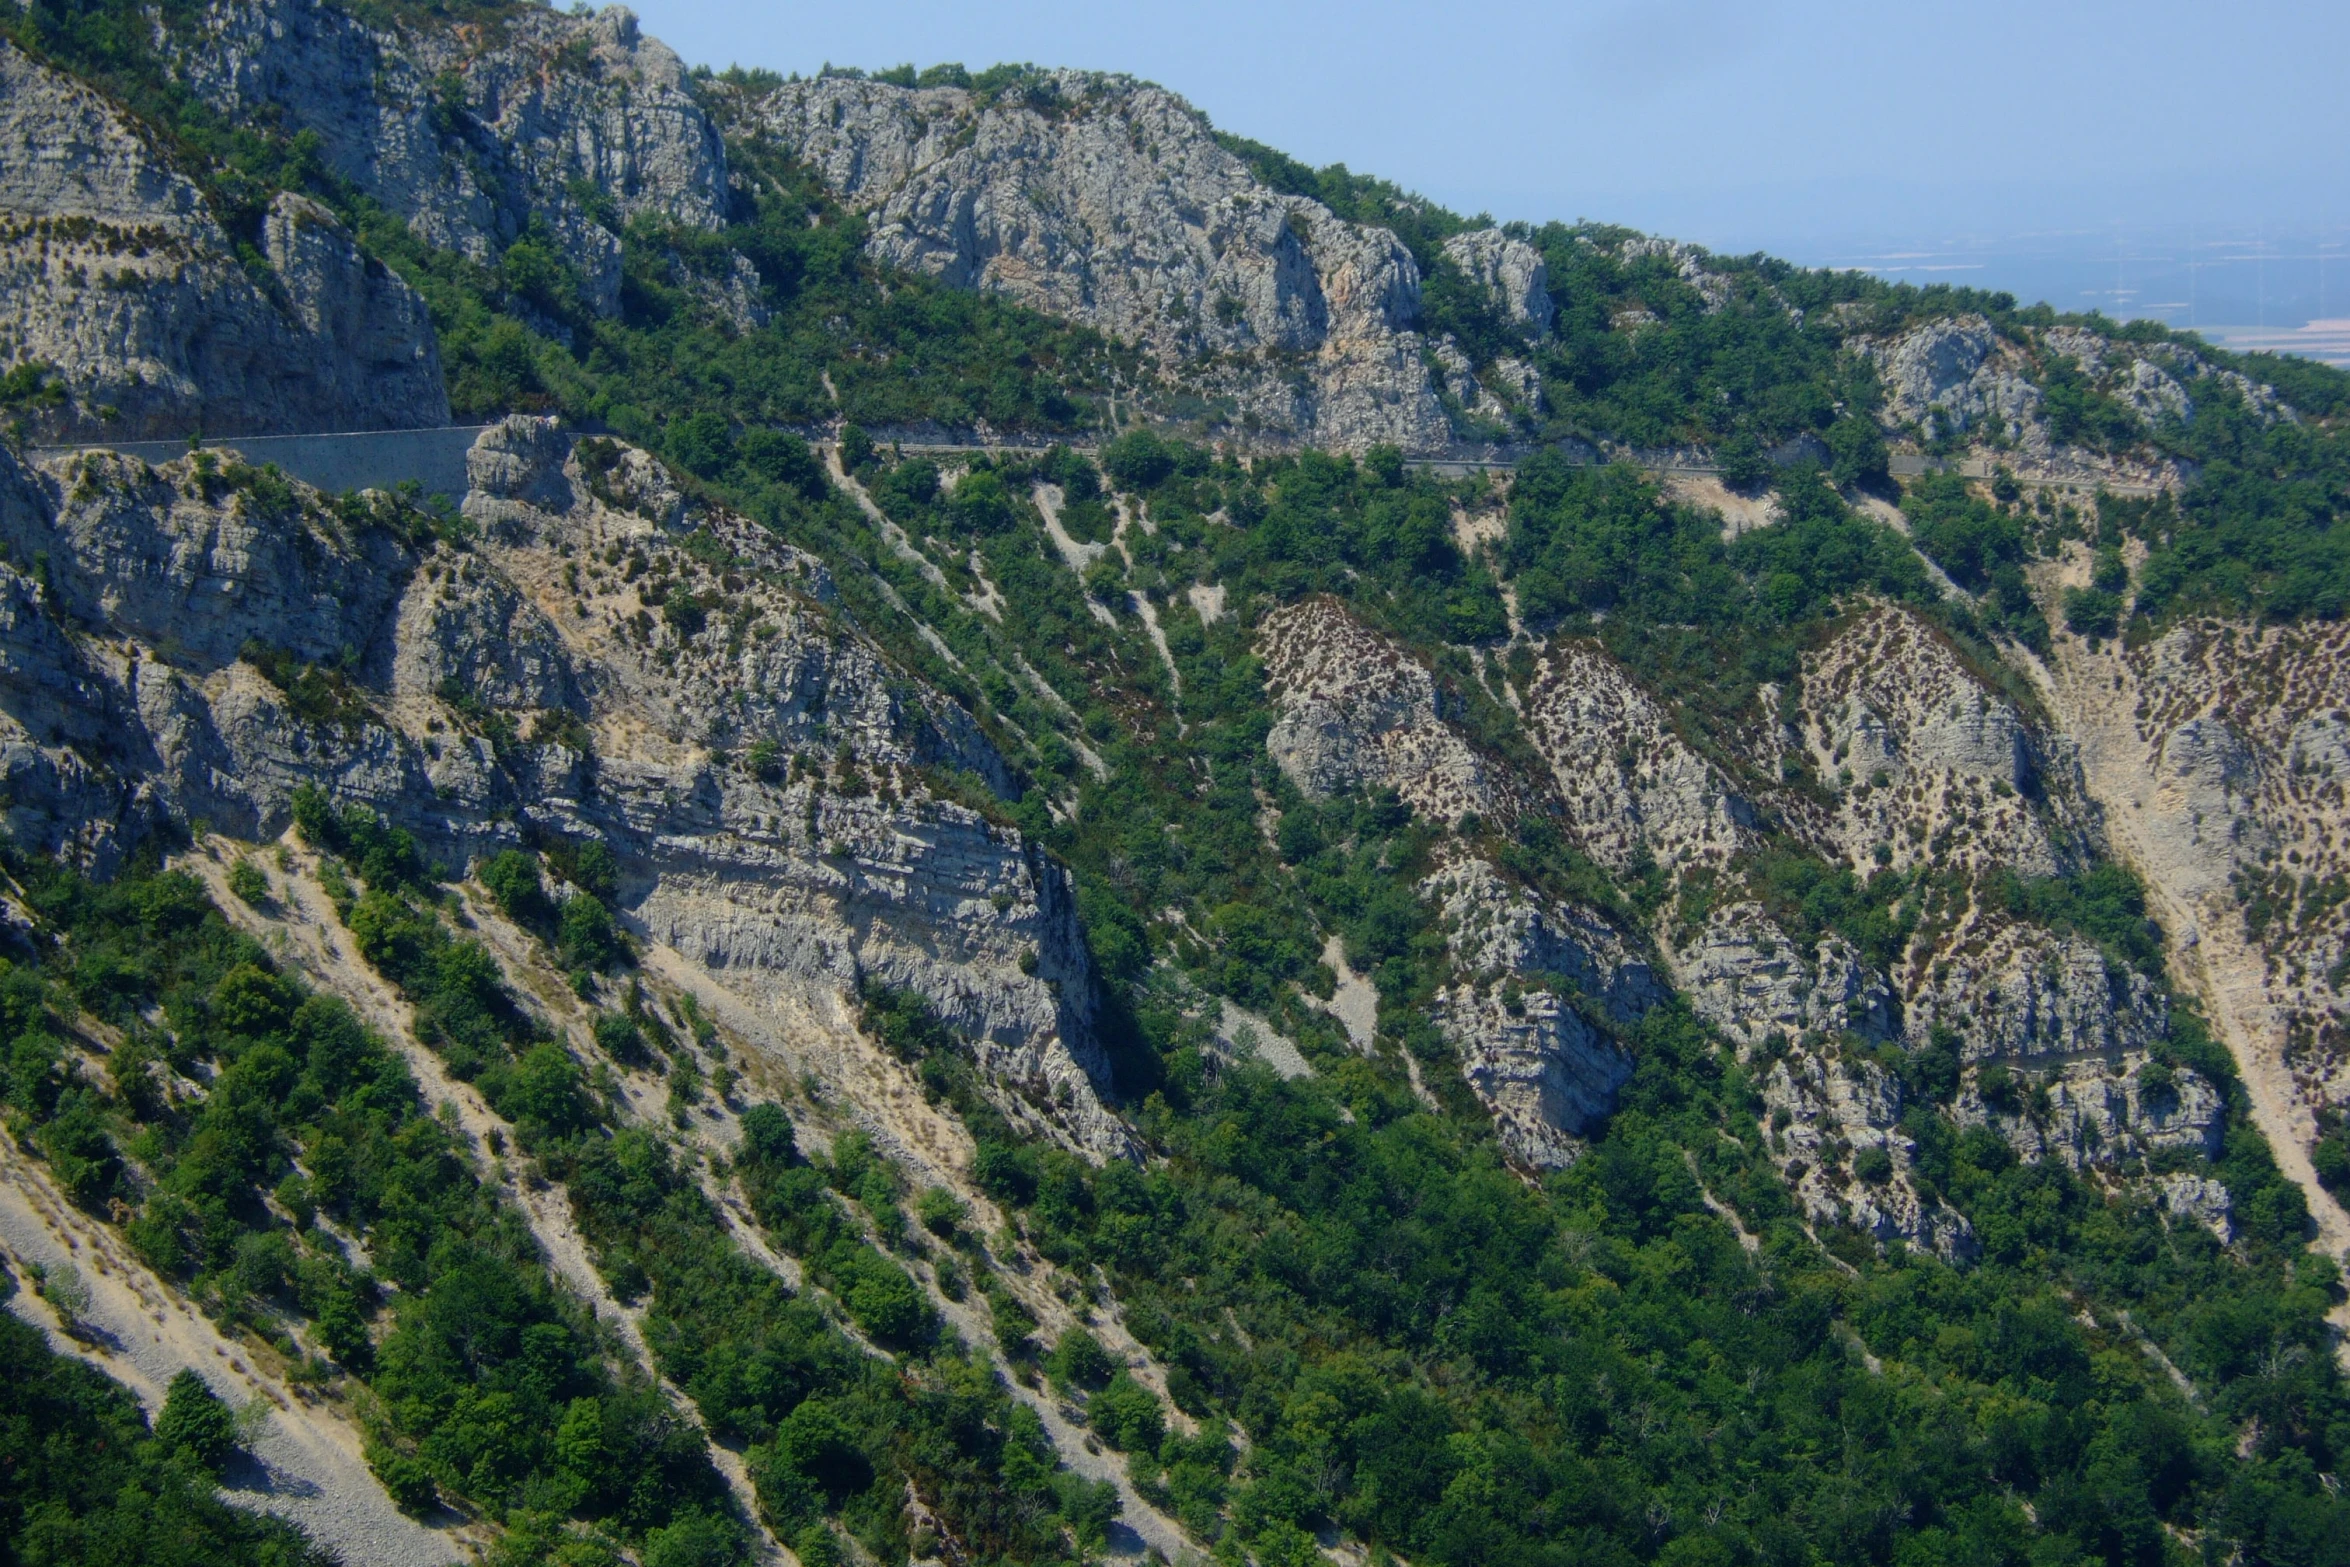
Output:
x=1653 y=344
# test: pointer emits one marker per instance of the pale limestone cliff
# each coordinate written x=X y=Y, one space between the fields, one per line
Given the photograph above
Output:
x=1955 y=376
x=1359 y=711
x=1529 y=969
x=1742 y=972
x=2217 y=754
x=578 y=671
x=1960 y=376
x=1632 y=789
x=1512 y=274
x=1107 y=201
x=577 y=124
x=115 y=274
x=1924 y=761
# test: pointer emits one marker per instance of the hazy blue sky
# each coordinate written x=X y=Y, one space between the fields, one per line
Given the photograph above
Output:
x=1800 y=126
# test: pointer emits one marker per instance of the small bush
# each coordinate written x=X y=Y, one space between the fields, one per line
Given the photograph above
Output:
x=249 y=883
x=940 y=1211
x=512 y=876
x=1078 y=1360
x=1127 y=1415
x=618 y=1036
x=586 y=938
x=409 y=1480
x=2331 y=1158
x=2092 y=612
x=1138 y=460
x=68 y=1294
x=768 y=1137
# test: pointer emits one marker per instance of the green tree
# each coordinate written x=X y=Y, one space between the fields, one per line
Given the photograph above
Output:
x=195 y=1421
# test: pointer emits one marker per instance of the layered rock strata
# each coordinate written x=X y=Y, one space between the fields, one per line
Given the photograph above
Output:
x=201 y=642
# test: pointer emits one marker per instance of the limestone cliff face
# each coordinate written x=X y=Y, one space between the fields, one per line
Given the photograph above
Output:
x=713 y=715
x=575 y=123
x=1511 y=273
x=1359 y=711
x=1923 y=760
x=1529 y=969
x=1107 y=201
x=1956 y=375
x=1959 y=376
x=1746 y=975
x=1632 y=789
x=115 y=274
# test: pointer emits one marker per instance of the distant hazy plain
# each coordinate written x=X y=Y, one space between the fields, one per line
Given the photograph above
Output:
x=2252 y=285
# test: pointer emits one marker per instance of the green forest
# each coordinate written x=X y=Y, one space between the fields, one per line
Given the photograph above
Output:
x=1370 y=1320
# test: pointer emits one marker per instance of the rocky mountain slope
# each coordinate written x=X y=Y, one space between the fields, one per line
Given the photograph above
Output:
x=1183 y=985
x=572 y=125
x=1107 y=201
x=493 y=694
x=122 y=282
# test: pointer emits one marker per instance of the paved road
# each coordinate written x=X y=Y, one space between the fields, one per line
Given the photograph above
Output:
x=435 y=459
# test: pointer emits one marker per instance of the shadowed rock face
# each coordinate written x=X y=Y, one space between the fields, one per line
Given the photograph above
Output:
x=114 y=273
x=1108 y=202
x=485 y=691
x=1546 y=1072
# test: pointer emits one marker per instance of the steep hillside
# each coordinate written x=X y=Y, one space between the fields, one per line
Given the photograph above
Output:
x=150 y=319
x=958 y=916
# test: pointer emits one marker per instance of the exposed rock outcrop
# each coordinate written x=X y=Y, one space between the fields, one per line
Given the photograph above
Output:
x=1540 y=1068
x=2023 y=994
x=574 y=123
x=1359 y=711
x=203 y=643
x=1631 y=787
x=1744 y=974
x=1107 y=201
x=1686 y=261
x=1827 y=1113
x=1497 y=929
x=1956 y=376
x=115 y=274
x=1511 y=272
x=1530 y=968
x=2219 y=754
x=1924 y=761
x=1959 y=376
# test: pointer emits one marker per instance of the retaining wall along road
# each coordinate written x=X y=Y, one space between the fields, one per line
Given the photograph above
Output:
x=351 y=460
